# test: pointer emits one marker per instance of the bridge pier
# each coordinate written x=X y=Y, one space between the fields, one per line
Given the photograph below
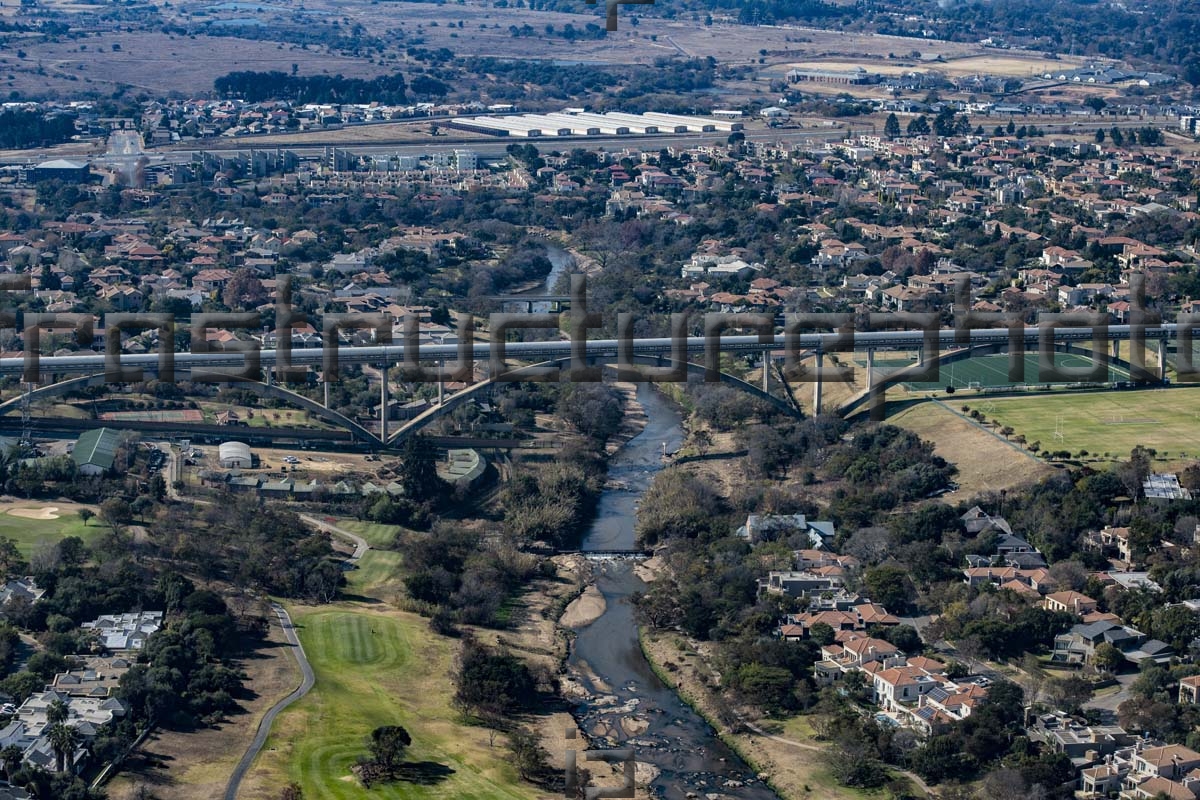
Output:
x=1116 y=349
x=870 y=367
x=766 y=368
x=326 y=385
x=817 y=384
x=441 y=382
x=1162 y=360
x=383 y=402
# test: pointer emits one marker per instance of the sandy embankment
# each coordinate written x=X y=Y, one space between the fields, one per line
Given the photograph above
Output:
x=584 y=610
x=649 y=570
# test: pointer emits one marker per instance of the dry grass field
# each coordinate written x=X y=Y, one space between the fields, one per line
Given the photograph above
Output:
x=159 y=63
x=196 y=765
x=985 y=463
x=164 y=63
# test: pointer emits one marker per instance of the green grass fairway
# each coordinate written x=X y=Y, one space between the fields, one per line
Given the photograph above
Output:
x=990 y=371
x=28 y=533
x=377 y=534
x=379 y=666
x=1167 y=420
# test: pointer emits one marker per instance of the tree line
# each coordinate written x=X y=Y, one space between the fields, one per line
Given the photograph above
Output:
x=274 y=85
x=19 y=128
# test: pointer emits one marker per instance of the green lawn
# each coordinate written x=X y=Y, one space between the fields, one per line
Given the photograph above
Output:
x=1167 y=420
x=28 y=533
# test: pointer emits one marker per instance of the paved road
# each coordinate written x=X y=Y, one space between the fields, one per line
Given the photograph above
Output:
x=264 y=727
x=360 y=544
x=1110 y=702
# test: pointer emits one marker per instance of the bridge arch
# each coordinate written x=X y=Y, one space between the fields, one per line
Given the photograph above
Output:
x=453 y=402
x=856 y=402
x=271 y=390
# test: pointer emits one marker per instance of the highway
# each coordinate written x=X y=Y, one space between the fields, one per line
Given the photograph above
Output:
x=264 y=726
x=945 y=339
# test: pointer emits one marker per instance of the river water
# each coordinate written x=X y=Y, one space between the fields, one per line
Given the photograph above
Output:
x=676 y=741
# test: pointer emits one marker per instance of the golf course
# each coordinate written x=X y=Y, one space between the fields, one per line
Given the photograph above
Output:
x=30 y=523
x=377 y=665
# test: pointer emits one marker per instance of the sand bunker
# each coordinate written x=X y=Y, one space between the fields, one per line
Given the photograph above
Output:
x=45 y=512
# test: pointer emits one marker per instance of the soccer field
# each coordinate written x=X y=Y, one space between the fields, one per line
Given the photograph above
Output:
x=992 y=371
x=1167 y=420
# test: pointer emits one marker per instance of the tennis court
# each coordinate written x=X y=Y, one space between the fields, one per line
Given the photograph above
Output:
x=167 y=415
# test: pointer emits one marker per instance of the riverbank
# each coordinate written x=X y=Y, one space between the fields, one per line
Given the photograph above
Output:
x=793 y=766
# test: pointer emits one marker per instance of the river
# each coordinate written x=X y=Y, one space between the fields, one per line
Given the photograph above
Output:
x=685 y=750
x=560 y=262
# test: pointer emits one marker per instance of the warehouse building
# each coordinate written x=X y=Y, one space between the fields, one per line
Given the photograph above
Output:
x=577 y=122
x=235 y=455
x=60 y=169
x=95 y=451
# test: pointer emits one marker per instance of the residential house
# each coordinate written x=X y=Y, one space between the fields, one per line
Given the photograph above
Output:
x=127 y=631
x=796 y=583
x=772 y=527
x=1070 y=602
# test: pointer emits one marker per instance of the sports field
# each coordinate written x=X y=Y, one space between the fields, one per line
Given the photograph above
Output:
x=1167 y=420
x=992 y=371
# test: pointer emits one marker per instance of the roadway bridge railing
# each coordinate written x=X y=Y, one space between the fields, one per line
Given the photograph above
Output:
x=579 y=355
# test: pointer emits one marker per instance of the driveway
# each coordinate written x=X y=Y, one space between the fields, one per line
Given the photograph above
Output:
x=1110 y=702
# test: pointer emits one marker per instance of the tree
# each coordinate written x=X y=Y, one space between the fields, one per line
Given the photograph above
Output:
x=527 y=755
x=593 y=409
x=57 y=712
x=65 y=740
x=387 y=745
x=938 y=759
x=86 y=514
x=11 y=756
x=417 y=471
x=889 y=585
x=769 y=688
x=1070 y=693
x=1100 y=136
x=822 y=633
x=491 y=682
x=115 y=512
x=891 y=127
x=918 y=127
x=1107 y=657
x=244 y=290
